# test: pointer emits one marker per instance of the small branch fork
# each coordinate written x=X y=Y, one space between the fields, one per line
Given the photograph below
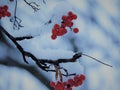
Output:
x=33 y=5
x=45 y=64
x=16 y=21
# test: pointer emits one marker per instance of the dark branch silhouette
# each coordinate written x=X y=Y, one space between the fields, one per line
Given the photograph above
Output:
x=42 y=63
x=22 y=38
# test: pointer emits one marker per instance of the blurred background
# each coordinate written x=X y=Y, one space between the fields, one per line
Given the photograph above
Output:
x=99 y=36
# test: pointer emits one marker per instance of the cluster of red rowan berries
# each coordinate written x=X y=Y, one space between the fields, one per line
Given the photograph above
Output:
x=75 y=82
x=60 y=30
x=4 y=11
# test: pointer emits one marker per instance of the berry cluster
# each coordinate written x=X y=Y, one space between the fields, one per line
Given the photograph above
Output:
x=75 y=82
x=4 y=11
x=60 y=30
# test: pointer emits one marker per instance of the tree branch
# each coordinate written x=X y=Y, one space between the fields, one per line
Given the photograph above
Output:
x=42 y=63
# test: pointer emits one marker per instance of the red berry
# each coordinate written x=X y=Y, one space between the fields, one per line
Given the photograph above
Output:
x=63 y=25
x=56 y=26
x=54 y=31
x=0 y=16
x=75 y=30
x=60 y=32
x=70 y=24
x=5 y=7
x=78 y=83
x=2 y=10
x=74 y=16
x=70 y=18
x=64 y=30
x=3 y=14
x=76 y=78
x=65 y=83
x=53 y=37
x=64 y=17
x=71 y=82
x=70 y=13
x=52 y=84
x=8 y=14
x=82 y=77
x=59 y=86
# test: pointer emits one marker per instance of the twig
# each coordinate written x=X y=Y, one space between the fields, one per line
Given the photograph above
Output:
x=50 y=21
x=97 y=60
x=33 y=5
x=16 y=21
x=22 y=38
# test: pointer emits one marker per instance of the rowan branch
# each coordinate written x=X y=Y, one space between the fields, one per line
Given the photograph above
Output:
x=42 y=63
x=45 y=64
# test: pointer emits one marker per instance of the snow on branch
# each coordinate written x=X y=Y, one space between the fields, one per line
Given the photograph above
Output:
x=45 y=64
x=42 y=63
